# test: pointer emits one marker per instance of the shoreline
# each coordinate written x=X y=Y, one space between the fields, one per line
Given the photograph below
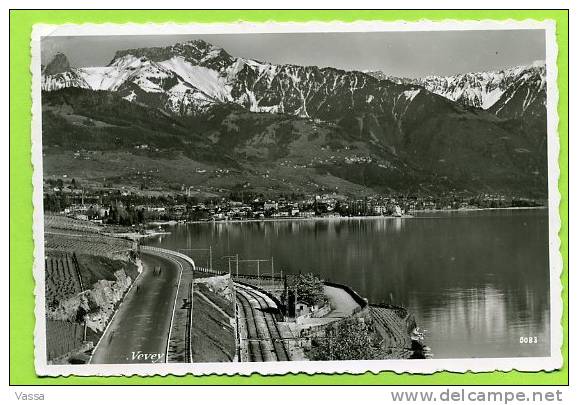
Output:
x=229 y=221
x=542 y=207
x=410 y=215
x=136 y=235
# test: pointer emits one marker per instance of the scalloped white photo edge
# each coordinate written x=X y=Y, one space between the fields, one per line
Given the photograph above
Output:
x=415 y=366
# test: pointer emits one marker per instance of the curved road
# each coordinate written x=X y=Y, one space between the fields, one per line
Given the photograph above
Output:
x=143 y=319
x=152 y=324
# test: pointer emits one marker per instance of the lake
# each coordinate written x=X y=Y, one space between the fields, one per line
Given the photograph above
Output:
x=476 y=281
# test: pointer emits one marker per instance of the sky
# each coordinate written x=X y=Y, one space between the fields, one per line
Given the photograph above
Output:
x=403 y=54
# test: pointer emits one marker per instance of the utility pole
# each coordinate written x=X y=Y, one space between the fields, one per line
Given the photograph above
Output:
x=191 y=319
x=191 y=322
x=258 y=276
x=295 y=303
x=236 y=257
x=272 y=270
x=281 y=270
x=210 y=258
x=234 y=296
x=258 y=261
x=286 y=295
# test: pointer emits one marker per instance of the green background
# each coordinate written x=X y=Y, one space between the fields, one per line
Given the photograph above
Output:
x=21 y=242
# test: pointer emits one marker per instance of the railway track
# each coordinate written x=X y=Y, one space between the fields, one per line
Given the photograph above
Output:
x=265 y=342
x=246 y=312
x=263 y=337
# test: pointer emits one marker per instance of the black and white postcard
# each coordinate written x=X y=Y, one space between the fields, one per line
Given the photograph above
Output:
x=312 y=197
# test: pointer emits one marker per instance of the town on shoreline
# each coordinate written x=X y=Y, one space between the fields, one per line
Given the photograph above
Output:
x=125 y=207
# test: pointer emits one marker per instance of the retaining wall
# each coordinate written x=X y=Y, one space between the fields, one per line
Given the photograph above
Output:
x=359 y=300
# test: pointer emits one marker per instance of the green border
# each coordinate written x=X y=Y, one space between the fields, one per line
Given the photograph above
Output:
x=21 y=243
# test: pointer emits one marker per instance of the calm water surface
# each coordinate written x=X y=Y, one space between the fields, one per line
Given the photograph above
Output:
x=476 y=281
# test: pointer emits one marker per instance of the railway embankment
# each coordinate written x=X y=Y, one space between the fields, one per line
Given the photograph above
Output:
x=390 y=331
x=380 y=331
x=261 y=334
x=218 y=318
x=212 y=326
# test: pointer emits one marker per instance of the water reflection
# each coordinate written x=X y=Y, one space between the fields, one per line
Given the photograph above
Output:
x=476 y=281
x=484 y=322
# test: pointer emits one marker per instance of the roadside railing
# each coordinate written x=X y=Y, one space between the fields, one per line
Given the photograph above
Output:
x=169 y=252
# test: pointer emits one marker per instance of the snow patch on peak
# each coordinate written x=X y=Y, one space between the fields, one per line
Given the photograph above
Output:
x=477 y=89
x=130 y=97
x=491 y=98
x=70 y=78
x=410 y=94
x=207 y=80
x=127 y=68
x=129 y=61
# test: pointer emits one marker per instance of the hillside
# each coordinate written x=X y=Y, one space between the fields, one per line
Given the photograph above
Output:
x=229 y=147
x=516 y=94
x=197 y=116
x=86 y=275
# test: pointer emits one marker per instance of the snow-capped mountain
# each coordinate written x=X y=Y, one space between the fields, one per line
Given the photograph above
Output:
x=483 y=89
x=58 y=74
x=188 y=77
x=524 y=95
x=195 y=98
x=134 y=78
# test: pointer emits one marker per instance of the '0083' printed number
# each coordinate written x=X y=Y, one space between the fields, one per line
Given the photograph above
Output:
x=528 y=339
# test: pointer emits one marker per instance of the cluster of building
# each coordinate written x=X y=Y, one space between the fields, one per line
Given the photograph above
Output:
x=280 y=208
x=225 y=209
x=131 y=207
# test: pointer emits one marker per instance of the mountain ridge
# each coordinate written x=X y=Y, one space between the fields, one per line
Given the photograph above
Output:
x=252 y=84
x=406 y=136
x=480 y=89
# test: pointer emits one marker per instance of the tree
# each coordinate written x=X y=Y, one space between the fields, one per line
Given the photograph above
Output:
x=52 y=203
x=351 y=339
x=309 y=289
x=92 y=212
